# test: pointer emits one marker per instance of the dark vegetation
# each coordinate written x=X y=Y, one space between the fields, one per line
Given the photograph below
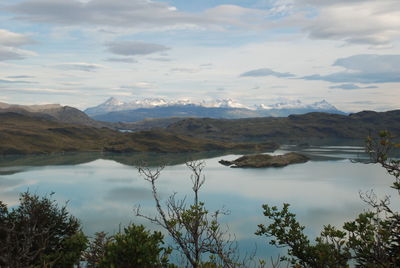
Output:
x=39 y=233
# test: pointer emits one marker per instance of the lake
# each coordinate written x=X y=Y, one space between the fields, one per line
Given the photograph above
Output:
x=103 y=189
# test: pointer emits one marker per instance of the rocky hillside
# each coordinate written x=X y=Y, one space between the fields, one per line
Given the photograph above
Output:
x=54 y=112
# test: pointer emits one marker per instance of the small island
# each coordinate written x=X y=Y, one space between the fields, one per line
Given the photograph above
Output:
x=265 y=160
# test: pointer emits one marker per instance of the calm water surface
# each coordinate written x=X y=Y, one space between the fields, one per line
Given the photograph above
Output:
x=103 y=190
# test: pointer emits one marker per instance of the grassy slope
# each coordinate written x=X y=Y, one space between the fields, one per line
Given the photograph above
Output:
x=294 y=127
x=21 y=134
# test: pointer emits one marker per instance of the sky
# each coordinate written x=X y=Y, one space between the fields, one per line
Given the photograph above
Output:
x=81 y=52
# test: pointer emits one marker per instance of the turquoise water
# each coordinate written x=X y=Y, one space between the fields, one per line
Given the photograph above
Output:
x=103 y=190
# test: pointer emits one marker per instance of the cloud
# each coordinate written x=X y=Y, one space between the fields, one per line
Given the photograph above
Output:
x=139 y=85
x=265 y=72
x=36 y=91
x=120 y=13
x=207 y=66
x=161 y=59
x=6 y=81
x=73 y=84
x=124 y=60
x=364 y=68
x=10 y=43
x=350 y=87
x=130 y=48
x=132 y=14
x=10 y=39
x=185 y=70
x=370 y=63
x=353 y=21
x=228 y=16
x=20 y=76
x=358 y=21
x=12 y=53
x=79 y=66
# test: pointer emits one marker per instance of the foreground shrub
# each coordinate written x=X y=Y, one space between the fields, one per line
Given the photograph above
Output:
x=39 y=233
x=372 y=240
x=135 y=247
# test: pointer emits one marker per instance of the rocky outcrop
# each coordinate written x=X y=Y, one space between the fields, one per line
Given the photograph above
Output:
x=265 y=160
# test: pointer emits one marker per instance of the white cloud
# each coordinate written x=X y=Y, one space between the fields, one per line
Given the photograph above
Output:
x=351 y=87
x=185 y=70
x=8 y=81
x=79 y=66
x=131 y=14
x=139 y=85
x=130 y=48
x=367 y=21
x=41 y=90
x=10 y=39
x=266 y=72
x=120 y=13
x=124 y=60
x=364 y=68
x=353 y=21
x=10 y=43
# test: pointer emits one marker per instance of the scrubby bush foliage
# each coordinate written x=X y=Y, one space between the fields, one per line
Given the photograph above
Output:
x=39 y=233
x=371 y=240
x=135 y=247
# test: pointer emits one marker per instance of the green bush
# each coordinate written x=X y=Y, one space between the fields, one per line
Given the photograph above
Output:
x=136 y=247
x=39 y=233
x=372 y=240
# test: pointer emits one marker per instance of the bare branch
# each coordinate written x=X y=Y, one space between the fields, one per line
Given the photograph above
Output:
x=196 y=232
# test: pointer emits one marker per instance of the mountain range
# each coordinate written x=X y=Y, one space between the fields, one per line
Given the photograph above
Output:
x=36 y=129
x=114 y=110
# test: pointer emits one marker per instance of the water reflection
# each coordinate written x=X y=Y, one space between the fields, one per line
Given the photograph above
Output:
x=103 y=189
x=13 y=164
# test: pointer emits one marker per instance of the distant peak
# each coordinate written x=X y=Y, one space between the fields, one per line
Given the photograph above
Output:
x=223 y=103
x=323 y=105
x=113 y=101
x=112 y=104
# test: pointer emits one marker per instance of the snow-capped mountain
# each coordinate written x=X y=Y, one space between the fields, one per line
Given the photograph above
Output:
x=297 y=104
x=290 y=104
x=223 y=103
x=116 y=110
x=113 y=104
x=322 y=105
